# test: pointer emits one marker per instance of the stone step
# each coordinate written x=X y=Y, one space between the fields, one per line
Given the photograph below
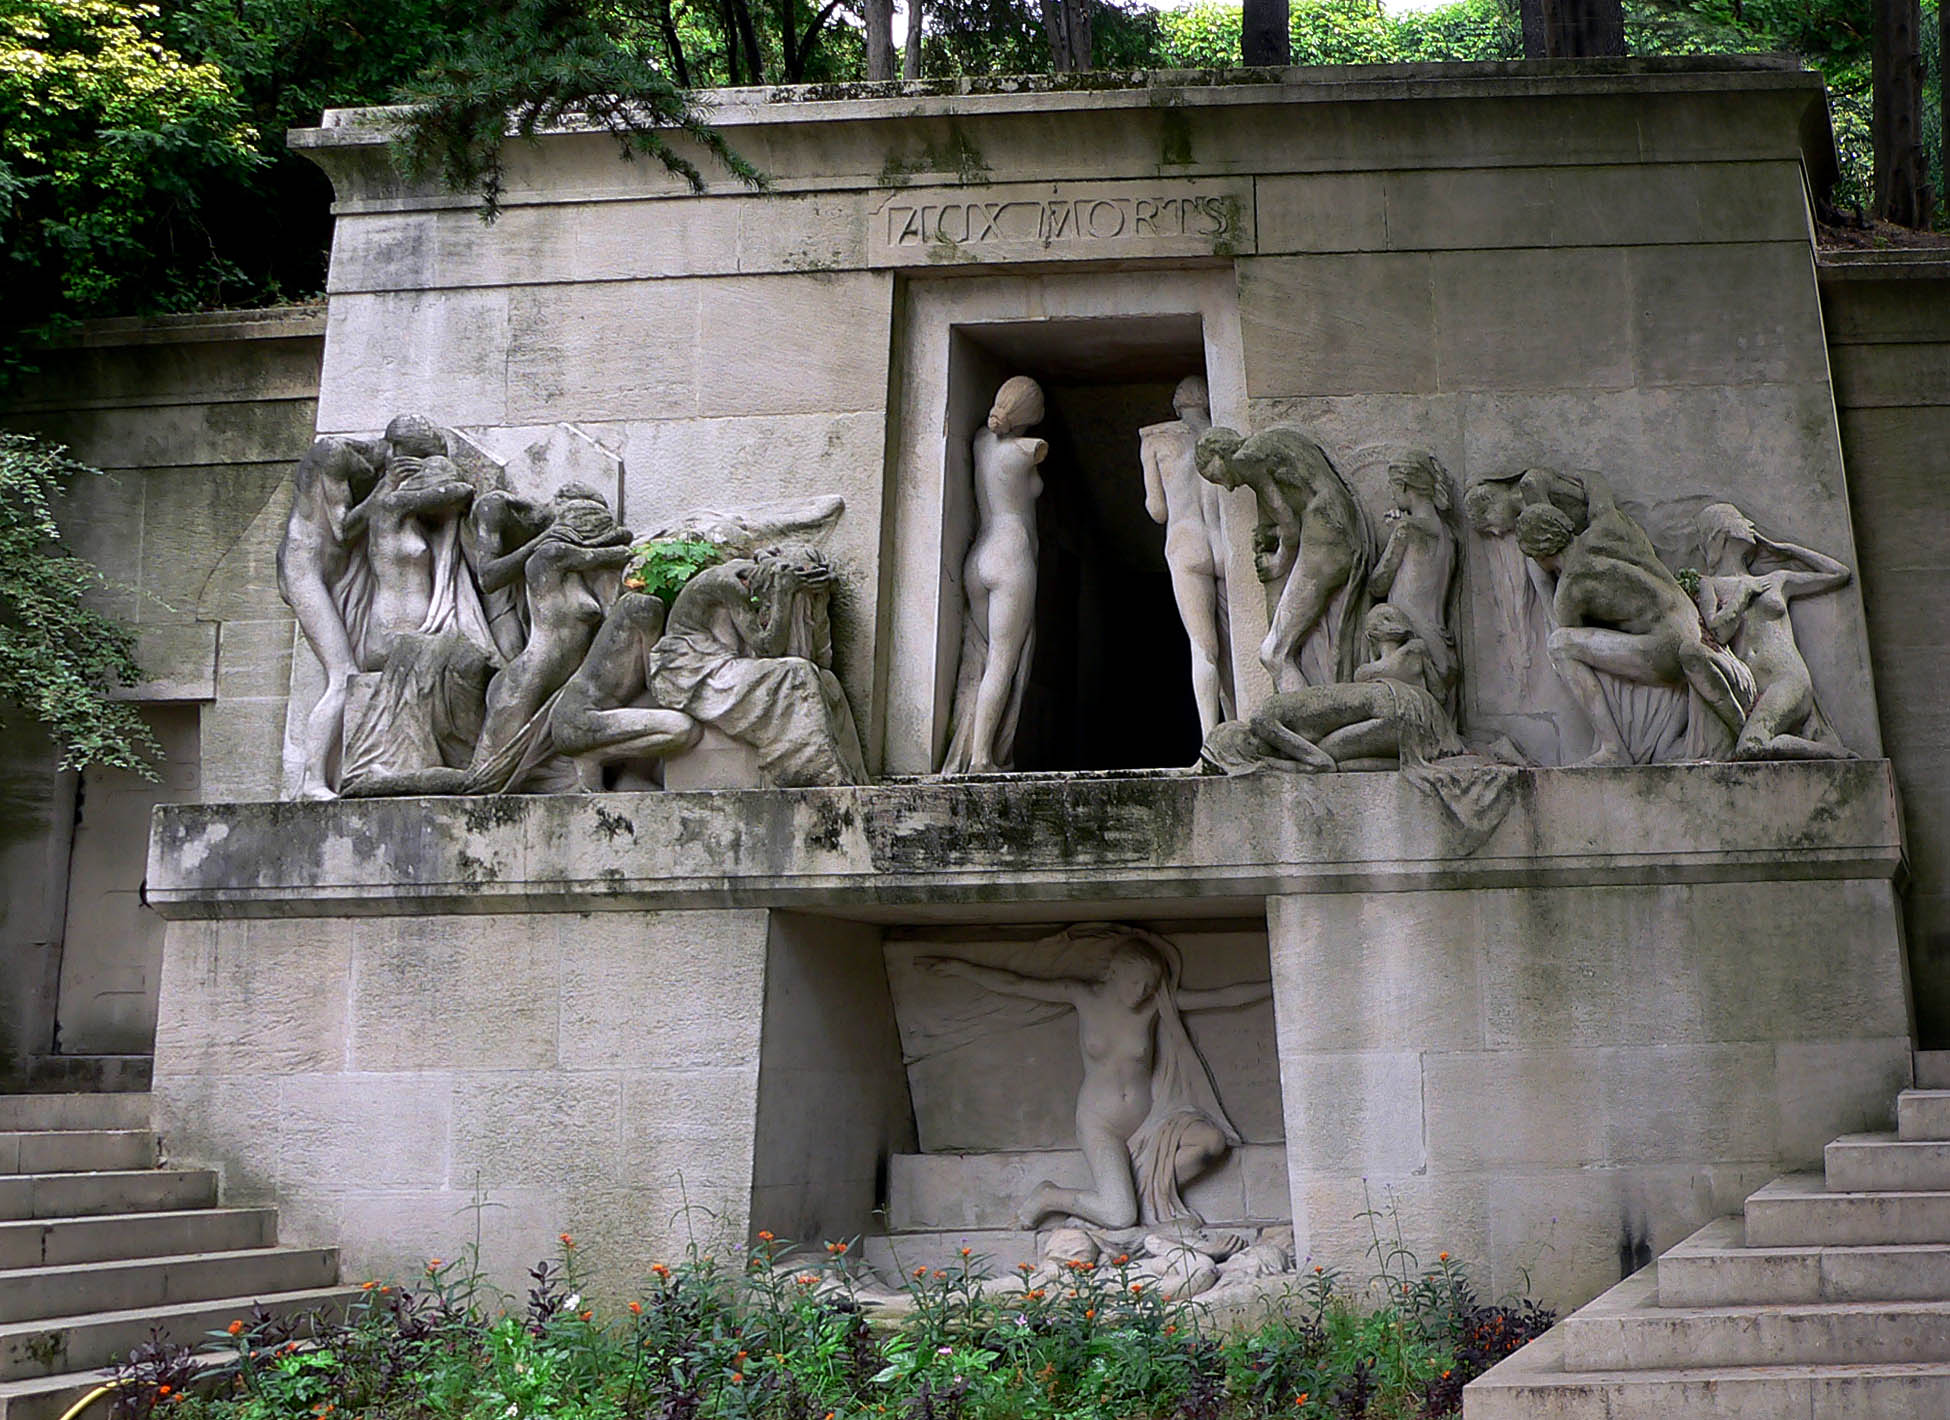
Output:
x=81 y=1195
x=117 y=1110
x=1799 y=1211
x=940 y=1192
x=89 y=1074
x=1627 y=1330
x=48 y=1397
x=1933 y=1069
x=1923 y=1114
x=49 y=1348
x=996 y=1250
x=42 y=1242
x=76 y=1289
x=1533 y=1384
x=1714 y=1267
x=1882 y=1163
x=76 y=1150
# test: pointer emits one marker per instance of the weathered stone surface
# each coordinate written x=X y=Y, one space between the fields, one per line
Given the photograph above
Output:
x=1136 y=838
x=1092 y=221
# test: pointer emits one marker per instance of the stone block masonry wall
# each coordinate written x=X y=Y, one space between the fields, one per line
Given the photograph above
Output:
x=1646 y=993
x=1888 y=323
x=1562 y=1082
x=198 y=422
x=404 y=1086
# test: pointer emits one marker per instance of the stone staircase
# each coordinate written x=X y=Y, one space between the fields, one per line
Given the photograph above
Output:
x=99 y=1246
x=1830 y=1298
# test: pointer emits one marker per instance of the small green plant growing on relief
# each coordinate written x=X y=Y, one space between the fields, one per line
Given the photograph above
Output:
x=662 y=566
x=1688 y=577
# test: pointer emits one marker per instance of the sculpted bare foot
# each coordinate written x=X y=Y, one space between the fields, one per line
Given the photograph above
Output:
x=1036 y=1206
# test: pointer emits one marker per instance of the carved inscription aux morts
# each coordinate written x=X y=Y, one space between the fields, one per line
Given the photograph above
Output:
x=950 y=225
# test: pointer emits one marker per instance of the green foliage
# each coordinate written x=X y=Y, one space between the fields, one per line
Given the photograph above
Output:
x=1205 y=35
x=783 y=1335
x=59 y=657
x=529 y=65
x=108 y=142
x=662 y=566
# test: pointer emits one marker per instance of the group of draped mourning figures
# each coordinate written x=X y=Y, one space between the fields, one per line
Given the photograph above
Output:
x=1362 y=647
x=474 y=641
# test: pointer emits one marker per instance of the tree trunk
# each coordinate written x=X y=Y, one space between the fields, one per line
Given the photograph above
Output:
x=880 y=39
x=1572 y=29
x=673 y=44
x=911 y=49
x=1902 y=181
x=1266 y=34
x=1067 y=22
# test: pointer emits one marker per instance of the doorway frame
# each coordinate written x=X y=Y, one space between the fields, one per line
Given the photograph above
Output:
x=921 y=563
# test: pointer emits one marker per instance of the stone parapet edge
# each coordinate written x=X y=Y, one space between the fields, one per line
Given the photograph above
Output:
x=980 y=844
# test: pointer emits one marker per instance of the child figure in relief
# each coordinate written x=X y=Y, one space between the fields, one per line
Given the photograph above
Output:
x=1148 y=1116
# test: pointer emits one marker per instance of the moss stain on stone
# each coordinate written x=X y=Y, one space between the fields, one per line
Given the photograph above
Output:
x=1175 y=140
x=957 y=155
x=612 y=826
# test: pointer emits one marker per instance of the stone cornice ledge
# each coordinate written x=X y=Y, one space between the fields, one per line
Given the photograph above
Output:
x=958 y=846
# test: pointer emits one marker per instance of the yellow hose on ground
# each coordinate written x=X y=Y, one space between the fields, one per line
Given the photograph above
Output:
x=89 y=1399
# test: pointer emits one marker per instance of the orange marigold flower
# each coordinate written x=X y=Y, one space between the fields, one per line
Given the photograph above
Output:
x=1319 y=1270
x=384 y=1290
x=660 y=1269
x=764 y=1236
x=237 y=1326
x=1090 y=1315
x=920 y=1272
x=367 y=1286
x=805 y=1279
x=1300 y=1399
x=433 y=1264
x=1442 y=1257
x=163 y=1390
x=837 y=1248
x=968 y=1252
x=1136 y=1287
x=1036 y=1295
x=636 y=1308
x=1025 y=1267
x=566 y=1240
x=1122 y=1258
x=737 y=1376
x=586 y=1315
x=1171 y=1329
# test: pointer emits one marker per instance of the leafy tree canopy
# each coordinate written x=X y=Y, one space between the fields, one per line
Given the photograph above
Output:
x=109 y=141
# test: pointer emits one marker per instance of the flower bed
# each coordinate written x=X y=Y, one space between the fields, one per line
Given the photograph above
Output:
x=783 y=1337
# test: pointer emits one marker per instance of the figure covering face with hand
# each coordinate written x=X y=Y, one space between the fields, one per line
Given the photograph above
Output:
x=1195 y=551
x=1748 y=610
x=1312 y=547
x=999 y=580
x=1619 y=611
x=1148 y=1116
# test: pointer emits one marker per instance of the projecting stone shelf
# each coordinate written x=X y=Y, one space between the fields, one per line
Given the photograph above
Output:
x=1006 y=844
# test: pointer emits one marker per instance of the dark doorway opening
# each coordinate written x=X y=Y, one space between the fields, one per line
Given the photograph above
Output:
x=1109 y=684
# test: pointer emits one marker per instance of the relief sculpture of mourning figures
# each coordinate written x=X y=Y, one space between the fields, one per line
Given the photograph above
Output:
x=1149 y=1122
x=475 y=641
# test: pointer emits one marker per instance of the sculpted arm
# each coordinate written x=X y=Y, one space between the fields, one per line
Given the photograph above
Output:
x=1382 y=579
x=1824 y=573
x=1056 y=990
x=1154 y=485
x=1221 y=997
